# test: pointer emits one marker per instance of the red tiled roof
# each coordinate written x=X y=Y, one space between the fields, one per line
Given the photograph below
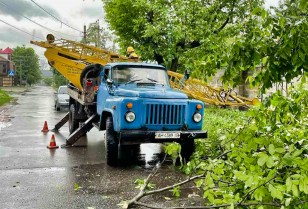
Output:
x=8 y=50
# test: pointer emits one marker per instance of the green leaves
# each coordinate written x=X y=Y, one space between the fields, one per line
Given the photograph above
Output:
x=176 y=191
x=271 y=149
x=264 y=158
x=140 y=183
x=4 y=97
x=260 y=193
x=77 y=187
x=275 y=192
x=267 y=161
x=173 y=150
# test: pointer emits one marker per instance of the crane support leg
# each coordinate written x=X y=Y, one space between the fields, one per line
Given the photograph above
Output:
x=60 y=123
x=73 y=138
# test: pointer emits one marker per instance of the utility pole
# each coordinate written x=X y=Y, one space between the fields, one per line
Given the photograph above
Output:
x=20 y=77
x=85 y=34
x=98 y=33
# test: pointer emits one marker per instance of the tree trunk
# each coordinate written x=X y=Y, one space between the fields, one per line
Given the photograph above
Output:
x=244 y=86
x=159 y=58
x=174 y=64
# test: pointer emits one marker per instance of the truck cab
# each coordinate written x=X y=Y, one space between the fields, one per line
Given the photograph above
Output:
x=136 y=104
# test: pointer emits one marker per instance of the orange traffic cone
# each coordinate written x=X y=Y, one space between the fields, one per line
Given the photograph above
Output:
x=52 y=143
x=45 y=128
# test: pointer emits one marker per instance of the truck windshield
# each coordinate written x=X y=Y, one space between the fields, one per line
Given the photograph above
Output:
x=125 y=75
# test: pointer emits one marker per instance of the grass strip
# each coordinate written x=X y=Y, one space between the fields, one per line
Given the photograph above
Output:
x=4 y=97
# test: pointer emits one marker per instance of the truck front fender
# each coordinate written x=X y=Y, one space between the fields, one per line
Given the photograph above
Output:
x=102 y=122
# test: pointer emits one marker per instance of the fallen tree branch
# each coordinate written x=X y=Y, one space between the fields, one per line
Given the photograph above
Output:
x=210 y=206
x=254 y=189
x=174 y=185
x=144 y=186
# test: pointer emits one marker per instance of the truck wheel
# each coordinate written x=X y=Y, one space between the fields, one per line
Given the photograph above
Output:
x=58 y=107
x=111 y=143
x=187 y=149
x=73 y=123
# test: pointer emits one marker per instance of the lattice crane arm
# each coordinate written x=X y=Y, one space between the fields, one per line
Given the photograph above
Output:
x=70 y=58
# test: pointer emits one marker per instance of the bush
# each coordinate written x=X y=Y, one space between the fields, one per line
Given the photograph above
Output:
x=48 y=81
x=255 y=159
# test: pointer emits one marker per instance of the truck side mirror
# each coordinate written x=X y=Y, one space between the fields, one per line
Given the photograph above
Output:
x=109 y=81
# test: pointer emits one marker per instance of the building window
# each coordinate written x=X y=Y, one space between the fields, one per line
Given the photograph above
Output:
x=3 y=68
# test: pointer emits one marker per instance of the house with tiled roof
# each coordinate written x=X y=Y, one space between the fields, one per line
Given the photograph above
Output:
x=6 y=65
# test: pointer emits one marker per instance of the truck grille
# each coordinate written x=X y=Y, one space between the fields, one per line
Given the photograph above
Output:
x=160 y=114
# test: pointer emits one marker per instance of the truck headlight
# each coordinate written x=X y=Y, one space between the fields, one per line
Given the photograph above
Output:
x=130 y=117
x=197 y=117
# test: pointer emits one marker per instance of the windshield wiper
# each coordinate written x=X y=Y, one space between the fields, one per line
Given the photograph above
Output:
x=152 y=80
x=133 y=81
x=155 y=81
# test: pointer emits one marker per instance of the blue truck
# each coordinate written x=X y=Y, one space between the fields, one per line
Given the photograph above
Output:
x=134 y=103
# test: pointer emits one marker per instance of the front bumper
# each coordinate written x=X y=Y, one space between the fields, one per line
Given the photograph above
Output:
x=63 y=103
x=140 y=136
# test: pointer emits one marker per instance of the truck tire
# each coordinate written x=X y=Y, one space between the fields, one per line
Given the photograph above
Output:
x=57 y=107
x=73 y=123
x=111 y=143
x=90 y=71
x=187 y=149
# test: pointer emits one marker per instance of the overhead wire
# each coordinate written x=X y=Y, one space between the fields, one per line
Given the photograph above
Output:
x=54 y=31
x=55 y=17
x=21 y=30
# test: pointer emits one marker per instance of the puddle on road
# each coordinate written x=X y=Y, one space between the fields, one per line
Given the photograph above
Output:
x=5 y=121
x=4 y=151
x=150 y=154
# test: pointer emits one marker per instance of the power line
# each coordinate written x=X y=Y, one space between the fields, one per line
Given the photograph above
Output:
x=21 y=30
x=55 y=17
x=36 y=22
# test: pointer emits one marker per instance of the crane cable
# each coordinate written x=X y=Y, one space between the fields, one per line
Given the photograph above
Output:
x=55 y=17
x=36 y=22
x=21 y=30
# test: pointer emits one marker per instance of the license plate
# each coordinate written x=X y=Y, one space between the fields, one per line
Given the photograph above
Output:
x=167 y=135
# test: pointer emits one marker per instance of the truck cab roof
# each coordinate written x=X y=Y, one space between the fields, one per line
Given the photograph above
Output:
x=135 y=64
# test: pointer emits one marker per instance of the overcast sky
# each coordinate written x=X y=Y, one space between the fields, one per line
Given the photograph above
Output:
x=74 y=13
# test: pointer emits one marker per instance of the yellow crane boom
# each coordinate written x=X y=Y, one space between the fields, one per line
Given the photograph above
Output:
x=70 y=58
x=215 y=96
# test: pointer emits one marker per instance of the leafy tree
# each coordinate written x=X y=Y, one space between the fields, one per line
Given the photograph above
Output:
x=99 y=36
x=239 y=36
x=166 y=30
x=27 y=65
x=48 y=81
x=58 y=79
x=273 y=42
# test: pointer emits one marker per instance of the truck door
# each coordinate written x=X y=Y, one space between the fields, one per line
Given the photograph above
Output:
x=103 y=89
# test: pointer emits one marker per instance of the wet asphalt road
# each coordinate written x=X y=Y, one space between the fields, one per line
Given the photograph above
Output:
x=32 y=176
